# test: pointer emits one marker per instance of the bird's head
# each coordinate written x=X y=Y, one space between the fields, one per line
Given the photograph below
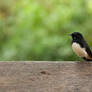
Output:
x=76 y=36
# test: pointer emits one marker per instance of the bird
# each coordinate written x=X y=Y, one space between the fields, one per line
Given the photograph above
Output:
x=80 y=46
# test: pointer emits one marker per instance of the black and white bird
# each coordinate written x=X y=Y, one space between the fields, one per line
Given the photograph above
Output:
x=80 y=46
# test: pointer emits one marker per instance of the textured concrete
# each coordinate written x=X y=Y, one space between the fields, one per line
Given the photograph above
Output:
x=45 y=77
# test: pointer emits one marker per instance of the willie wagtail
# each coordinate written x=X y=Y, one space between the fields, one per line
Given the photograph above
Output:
x=80 y=47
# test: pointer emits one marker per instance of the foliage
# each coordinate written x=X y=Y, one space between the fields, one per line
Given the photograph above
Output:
x=39 y=29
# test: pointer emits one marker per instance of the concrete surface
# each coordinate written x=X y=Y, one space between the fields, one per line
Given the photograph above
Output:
x=45 y=76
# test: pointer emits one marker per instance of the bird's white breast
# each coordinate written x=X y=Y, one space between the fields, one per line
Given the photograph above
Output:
x=78 y=50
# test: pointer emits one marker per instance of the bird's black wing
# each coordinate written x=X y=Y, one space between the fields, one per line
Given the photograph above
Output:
x=88 y=50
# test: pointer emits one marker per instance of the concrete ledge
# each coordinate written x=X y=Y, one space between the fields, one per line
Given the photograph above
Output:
x=45 y=76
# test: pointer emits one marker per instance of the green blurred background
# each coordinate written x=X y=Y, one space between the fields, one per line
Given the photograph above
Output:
x=39 y=29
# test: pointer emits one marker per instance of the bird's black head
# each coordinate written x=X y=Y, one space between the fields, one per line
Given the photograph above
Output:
x=76 y=36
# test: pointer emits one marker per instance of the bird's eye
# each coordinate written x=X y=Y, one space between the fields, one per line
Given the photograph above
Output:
x=74 y=38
